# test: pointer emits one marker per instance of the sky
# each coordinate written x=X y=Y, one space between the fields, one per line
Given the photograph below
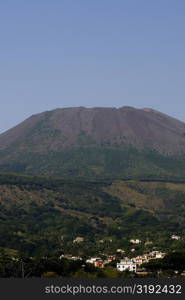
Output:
x=113 y=53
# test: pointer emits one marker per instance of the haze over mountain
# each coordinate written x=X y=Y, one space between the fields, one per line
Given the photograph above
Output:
x=96 y=141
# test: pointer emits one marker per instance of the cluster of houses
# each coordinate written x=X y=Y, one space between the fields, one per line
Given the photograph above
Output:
x=130 y=264
x=99 y=262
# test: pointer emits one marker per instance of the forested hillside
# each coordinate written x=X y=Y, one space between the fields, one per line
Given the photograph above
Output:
x=40 y=215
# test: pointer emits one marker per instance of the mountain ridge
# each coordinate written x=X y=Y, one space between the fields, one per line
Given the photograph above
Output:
x=124 y=125
x=97 y=139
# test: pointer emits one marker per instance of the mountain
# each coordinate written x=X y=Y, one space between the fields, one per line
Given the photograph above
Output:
x=104 y=174
x=96 y=142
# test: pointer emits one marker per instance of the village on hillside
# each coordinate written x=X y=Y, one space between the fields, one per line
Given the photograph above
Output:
x=125 y=264
x=122 y=262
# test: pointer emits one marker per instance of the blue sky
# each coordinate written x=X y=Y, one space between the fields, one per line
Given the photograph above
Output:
x=91 y=53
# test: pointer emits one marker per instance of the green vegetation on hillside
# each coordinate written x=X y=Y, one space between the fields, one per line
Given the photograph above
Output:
x=40 y=216
x=95 y=163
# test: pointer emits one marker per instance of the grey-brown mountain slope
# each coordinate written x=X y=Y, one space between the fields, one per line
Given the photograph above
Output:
x=95 y=142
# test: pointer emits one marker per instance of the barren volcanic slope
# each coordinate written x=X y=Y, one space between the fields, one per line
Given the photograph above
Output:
x=96 y=142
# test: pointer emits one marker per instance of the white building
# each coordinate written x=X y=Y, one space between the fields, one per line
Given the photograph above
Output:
x=78 y=239
x=159 y=254
x=139 y=260
x=120 y=251
x=156 y=254
x=126 y=264
x=133 y=250
x=136 y=241
x=92 y=260
x=175 y=237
